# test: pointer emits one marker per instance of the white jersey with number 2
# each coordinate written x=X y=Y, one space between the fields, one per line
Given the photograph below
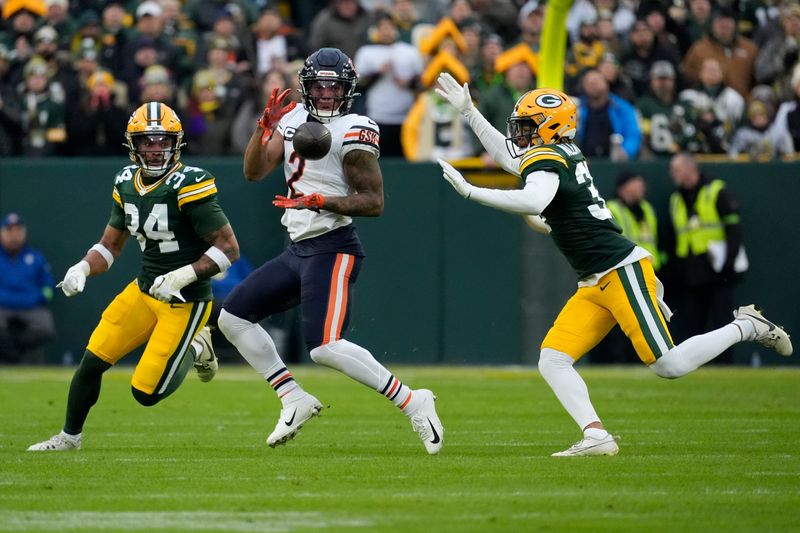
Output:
x=324 y=176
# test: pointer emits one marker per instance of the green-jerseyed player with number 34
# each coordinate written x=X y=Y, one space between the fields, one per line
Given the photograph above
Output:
x=185 y=238
x=617 y=284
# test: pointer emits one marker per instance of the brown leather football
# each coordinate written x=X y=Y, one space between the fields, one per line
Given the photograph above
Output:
x=312 y=140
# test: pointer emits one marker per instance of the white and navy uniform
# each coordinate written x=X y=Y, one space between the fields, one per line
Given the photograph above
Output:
x=320 y=267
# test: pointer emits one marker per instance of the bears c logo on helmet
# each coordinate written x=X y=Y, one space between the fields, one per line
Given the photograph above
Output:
x=548 y=101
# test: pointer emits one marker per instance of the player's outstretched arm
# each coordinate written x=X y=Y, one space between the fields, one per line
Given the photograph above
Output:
x=540 y=188
x=261 y=160
x=492 y=140
x=258 y=160
x=98 y=259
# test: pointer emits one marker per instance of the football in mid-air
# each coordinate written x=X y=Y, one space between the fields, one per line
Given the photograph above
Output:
x=312 y=140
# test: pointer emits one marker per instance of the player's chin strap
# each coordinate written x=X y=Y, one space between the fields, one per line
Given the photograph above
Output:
x=219 y=257
x=105 y=252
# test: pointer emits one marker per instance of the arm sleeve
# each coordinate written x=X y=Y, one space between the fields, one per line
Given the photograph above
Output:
x=540 y=188
x=493 y=141
x=206 y=216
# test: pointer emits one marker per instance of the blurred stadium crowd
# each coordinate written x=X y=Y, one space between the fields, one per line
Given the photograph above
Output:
x=653 y=77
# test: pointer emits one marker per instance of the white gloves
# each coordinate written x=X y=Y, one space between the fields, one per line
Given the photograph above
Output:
x=455 y=179
x=75 y=279
x=169 y=285
x=457 y=95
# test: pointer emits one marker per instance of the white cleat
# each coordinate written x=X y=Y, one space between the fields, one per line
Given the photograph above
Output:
x=426 y=422
x=293 y=416
x=591 y=446
x=767 y=333
x=206 y=363
x=57 y=443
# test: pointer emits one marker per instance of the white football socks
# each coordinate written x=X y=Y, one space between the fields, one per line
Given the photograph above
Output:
x=570 y=389
x=696 y=351
x=258 y=349
x=357 y=363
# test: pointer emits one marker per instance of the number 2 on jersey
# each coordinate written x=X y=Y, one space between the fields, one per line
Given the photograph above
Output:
x=297 y=174
x=598 y=209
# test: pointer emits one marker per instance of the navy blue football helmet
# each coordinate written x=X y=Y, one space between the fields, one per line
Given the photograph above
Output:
x=328 y=84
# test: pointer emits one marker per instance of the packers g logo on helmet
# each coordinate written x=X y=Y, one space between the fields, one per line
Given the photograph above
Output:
x=548 y=100
x=541 y=116
x=154 y=136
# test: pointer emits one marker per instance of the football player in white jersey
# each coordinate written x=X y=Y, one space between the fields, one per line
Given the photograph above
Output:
x=319 y=269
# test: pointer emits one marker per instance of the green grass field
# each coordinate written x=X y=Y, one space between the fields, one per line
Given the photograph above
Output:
x=714 y=451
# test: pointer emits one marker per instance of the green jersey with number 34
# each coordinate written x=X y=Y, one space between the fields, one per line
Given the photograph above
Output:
x=168 y=218
x=582 y=226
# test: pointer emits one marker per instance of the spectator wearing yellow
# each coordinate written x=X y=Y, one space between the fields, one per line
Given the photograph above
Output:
x=635 y=214
x=433 y=129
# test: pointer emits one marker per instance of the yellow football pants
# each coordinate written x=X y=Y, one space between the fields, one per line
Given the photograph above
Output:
x=625 y=296
x=134 y=318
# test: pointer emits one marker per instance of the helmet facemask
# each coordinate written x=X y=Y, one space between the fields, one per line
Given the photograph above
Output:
x=327 y=98
x=523 y=134
x=154 y=152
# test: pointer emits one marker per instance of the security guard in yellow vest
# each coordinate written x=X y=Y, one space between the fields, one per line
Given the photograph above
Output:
x=635 y=215
x=702 y=211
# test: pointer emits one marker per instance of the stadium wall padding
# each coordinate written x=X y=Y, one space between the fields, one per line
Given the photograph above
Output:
x=445 y=280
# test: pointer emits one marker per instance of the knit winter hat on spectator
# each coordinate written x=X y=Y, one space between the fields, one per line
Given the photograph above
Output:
x=148 y=8
x=100 y=77
x=45 y=34
x=62 y=3
x=155 y=74
x=662 y=69
x=528 y=8
x=12 y=219
x=625 y=176
x=87 y=49
x=36 y=66
x=219 y=43
x=12 y=7
x=88 y=18
x=724 y=12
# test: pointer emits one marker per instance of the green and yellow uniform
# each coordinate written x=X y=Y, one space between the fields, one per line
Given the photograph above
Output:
x=617 y=282
x=168 y=218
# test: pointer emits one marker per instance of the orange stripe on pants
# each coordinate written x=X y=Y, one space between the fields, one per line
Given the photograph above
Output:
x=337 y=297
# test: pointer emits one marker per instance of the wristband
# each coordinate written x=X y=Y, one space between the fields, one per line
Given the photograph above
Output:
x=219 y=257
x=105 y=252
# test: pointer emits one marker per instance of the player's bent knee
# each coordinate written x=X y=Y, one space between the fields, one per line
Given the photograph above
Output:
x=552 y=360
x=148 y=400
x=669 y=368
x=331 y=354
x=325 y=355
x=230 y=324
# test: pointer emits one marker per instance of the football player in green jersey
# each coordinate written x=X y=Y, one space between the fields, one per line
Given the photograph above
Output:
x=617 y=284
x=185 y=238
